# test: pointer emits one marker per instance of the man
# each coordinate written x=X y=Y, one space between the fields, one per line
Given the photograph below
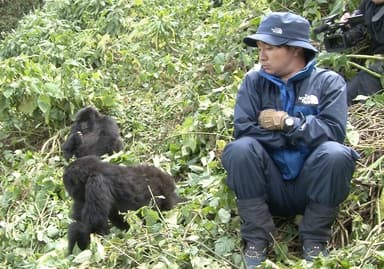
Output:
x=287 y=157
x=364 y=83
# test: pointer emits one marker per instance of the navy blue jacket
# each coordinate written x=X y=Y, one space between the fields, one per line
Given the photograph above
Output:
x=317 y=97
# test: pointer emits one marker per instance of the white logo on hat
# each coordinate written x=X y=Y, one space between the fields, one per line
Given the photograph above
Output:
x=277 y=30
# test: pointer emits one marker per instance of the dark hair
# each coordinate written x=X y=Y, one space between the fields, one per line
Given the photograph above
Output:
x=309 y=55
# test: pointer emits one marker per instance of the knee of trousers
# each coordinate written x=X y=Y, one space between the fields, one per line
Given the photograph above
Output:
x=363 y=84
x=331 y=182
x=242 y=151
x=336 y=156
x=243 y=160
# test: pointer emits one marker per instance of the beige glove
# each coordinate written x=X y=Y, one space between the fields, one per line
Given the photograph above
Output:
x=272 y=119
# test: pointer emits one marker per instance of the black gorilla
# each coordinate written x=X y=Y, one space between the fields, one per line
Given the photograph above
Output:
x=101 y=190
x=92 y=133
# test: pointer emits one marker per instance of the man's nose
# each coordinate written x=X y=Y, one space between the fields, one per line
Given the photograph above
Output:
x=261 y=55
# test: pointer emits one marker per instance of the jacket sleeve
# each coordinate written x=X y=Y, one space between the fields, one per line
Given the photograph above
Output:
x=361 y=8
x=247 y=109
x=329 y=124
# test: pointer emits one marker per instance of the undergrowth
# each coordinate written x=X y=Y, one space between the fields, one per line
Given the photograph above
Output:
x=168 y=72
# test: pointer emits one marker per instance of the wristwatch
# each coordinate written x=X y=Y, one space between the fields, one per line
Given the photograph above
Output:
x=289 y=123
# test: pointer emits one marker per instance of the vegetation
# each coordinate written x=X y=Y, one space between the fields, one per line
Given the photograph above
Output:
x=168 y=71
x=12 y=10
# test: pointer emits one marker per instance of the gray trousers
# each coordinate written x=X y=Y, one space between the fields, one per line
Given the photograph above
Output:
x=364 y=83
x=324 y=178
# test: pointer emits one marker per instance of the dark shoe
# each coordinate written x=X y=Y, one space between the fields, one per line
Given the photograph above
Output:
x=313 y=249
x=254 y=254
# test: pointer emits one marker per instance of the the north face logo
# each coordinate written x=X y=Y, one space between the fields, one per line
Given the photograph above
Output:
x=277 y=30
x=309 y=99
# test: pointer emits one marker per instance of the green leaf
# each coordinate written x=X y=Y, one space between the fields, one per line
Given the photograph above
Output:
x=83 y=257
x=53 y=89
x=380 y=254
x=224 y=215
x=224 y=245
x=353 y=135
x=44 y=103
x=381 y=207
x=151 y=216
x=188 y=124
x=28 y=105
x=108 y=100
x=3 y=103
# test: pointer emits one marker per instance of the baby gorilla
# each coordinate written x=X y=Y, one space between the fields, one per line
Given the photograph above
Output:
x=101 y=190
x=92 y=133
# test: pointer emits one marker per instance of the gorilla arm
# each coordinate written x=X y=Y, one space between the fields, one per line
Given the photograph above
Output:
x=98 y=203
x=78 y=234
x=90 y=215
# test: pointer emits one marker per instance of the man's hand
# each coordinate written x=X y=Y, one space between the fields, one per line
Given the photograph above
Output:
x=272 y=119
x=345 y=17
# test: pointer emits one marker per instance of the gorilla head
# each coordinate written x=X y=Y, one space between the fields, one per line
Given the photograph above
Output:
x=92 y=133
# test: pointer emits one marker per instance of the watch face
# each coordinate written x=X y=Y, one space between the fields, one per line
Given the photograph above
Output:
x=289 y=122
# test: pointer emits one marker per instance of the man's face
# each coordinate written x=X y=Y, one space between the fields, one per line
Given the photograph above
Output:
x=280 y=61
x=378 y=1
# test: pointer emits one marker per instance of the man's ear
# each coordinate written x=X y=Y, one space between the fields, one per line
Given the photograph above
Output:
x=297 y=51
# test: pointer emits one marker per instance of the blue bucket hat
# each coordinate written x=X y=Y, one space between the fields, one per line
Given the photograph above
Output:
x=282 y=28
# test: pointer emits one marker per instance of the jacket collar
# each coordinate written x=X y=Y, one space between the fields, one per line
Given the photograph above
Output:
x=303 y=73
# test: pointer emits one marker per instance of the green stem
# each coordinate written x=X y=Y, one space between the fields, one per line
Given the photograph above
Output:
x=365 y=69
x=372 y=57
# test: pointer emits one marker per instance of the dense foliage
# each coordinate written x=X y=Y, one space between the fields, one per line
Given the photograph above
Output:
x=168 y=71
x=12 y=10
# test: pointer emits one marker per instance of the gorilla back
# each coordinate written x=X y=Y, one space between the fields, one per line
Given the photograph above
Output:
x=100 y=190
x=92 y=133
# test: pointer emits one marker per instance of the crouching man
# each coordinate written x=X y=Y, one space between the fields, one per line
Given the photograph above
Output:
x=288 y=155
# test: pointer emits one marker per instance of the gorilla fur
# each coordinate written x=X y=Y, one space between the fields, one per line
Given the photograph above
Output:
x=92 y=133
x=101 y=190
